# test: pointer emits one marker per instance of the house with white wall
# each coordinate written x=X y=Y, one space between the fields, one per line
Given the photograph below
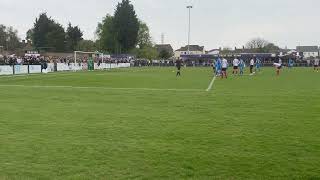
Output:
x=214 y=52
x=193 y=50
x=308 y=51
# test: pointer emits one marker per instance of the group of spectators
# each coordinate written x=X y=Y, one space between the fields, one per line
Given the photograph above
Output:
x=25 y=60
x=33 y=60
x=38 y=60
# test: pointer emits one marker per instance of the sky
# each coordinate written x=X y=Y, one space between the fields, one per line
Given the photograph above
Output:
x=214 y=23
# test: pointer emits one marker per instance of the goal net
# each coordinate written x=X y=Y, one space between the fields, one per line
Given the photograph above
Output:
x=88 y=60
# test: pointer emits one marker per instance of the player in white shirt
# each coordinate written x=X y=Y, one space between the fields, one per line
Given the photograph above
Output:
x=316 y=64
x=235 y=63
x=251 y=65
x=278 y=67
x=224 y=66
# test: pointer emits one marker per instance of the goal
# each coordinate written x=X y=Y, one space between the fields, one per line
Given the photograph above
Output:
x=78 y=53
x=88 y=65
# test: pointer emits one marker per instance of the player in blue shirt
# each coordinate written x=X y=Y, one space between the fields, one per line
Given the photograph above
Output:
x=242 y=65
x=258 y=65
x=218 y=66
x=290 y=63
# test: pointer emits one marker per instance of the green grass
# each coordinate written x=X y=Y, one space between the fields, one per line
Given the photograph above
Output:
x=147 y=124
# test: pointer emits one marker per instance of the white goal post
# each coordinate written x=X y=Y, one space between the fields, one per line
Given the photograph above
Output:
x=83 y=52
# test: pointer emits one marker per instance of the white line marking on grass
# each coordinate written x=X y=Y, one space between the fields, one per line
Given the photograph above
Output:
x=211 y=84
x=102 y=88
x=35 y=75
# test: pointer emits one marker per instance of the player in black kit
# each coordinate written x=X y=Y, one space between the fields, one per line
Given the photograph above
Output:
x=178 y=65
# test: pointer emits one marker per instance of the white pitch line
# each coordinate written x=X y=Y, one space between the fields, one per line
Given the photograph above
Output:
x=211 y=84
x=35 y=75
x=101 y=88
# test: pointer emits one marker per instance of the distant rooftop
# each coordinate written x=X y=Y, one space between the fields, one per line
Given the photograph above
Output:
x=192 y=48
x=307 y=49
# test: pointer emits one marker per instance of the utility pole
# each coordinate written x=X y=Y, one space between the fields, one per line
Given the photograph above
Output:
x=162 y=38
x=189 y=8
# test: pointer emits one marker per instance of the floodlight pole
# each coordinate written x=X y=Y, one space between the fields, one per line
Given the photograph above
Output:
x=189 y=8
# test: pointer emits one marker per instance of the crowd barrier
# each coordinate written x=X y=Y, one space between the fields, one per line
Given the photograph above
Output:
x=84 y=66
x=56 y=67
x=20 y=69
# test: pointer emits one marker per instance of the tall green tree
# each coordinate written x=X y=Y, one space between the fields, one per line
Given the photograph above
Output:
x=144 y=38
x=86 y=45
x=126 y=26
x=164 y=54
x=9 y=38
x=122 y=32
x=47 y=34
x=147 y=52
x=29 y=35
x=40 y=30
x=107 y=36
x=3 y=35
x=56 y=37
x=73 y=37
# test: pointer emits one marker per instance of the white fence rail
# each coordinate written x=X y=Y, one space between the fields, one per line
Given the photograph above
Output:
x=31 y=69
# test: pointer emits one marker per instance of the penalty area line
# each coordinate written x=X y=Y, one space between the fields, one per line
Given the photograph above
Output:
x=211 y=84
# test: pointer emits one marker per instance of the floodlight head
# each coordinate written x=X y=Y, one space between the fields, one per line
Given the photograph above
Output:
x=189 y=7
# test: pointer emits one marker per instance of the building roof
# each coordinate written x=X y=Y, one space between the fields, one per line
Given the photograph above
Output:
x=192 y=48
x=212 y=50
x=307 y=49
x=166 y=47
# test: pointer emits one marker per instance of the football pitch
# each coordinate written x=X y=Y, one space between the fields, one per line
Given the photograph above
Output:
x=145 y=123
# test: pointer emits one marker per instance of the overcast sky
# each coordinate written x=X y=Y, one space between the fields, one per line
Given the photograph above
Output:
x=215 y=23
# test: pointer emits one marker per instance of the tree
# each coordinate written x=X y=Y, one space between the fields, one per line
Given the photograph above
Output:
x=13 y=41
x=271 y=48
x=3 y=35
x=107 y=36
x=73 y=37
x=259 y=45
x=47 y=34
x=147 y=52
x=126 y=26
x=40 y=30
x=86 y=45
x=165 y=54
x=29 y=35
x=9 y=38
x=144 y=38
x=122 y=32
x=56 y=37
